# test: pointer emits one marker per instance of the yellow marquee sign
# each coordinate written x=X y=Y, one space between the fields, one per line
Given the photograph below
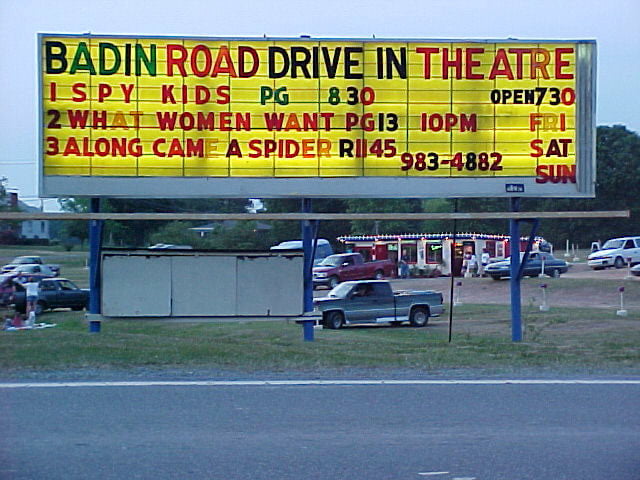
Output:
x=286 y=109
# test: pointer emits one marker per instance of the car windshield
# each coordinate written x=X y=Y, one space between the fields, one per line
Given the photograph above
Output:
x=613 y=244
x=67 y=285
x=331 y=261
x=341 y=290
x=23 y=260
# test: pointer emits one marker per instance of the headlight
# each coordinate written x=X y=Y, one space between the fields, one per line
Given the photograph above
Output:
x=320 y=275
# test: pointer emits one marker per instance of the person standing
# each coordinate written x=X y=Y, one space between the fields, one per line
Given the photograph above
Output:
x=404 y=268
x=473 y=265
x=31 y=294
x=465 y=264
x=484 y=260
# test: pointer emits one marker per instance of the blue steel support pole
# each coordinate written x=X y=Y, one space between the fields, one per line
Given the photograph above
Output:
x=307 y=275
x=516 y=320
x=95 y=248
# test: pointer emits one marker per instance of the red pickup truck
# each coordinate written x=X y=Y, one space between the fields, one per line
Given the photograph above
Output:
x=350 y=266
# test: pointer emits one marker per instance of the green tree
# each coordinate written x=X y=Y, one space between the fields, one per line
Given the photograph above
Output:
x=290 y=230
x=74 y=230
x=370 y=227
x=137 y=233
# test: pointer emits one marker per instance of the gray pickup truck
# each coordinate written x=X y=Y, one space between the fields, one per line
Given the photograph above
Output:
x=373 y=301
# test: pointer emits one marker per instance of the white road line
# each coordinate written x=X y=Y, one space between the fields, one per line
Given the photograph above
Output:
x=426 y=474
x=287 y=383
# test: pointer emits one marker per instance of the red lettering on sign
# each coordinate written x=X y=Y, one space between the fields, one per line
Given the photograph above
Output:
x=177 y=61
x=470 y=64
x=223 y=57
x=501 y=65
x=556 y=173
x=79 y=94
x=427 y=51
x=560 y=63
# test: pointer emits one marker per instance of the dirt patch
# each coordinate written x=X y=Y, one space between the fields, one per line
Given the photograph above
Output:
x=592 y=289
x=581 y=287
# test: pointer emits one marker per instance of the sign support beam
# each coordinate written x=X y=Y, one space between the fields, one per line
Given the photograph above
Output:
x=307 y=234
x=514 y=229
x=95 y=250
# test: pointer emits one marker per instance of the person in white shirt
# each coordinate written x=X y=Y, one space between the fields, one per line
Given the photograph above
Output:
x=31 y=293
x=484 y=259
x=473 y=265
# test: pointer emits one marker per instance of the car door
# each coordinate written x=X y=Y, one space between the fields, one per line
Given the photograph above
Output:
x=359 y=304
x=48 y=292
x=636 y=251
x=70 y=295
x=533 y=265
x=384 y=302
x=348 y=269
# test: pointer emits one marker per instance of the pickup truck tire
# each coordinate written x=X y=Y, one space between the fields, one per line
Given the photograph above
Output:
x=333 y=281
x=419 y=316
x=379 y=275
x=334 y=320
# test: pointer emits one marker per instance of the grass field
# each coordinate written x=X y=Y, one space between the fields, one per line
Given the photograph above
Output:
x=481 y=340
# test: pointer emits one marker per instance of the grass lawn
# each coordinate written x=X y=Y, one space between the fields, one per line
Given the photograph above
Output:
x=568 y=339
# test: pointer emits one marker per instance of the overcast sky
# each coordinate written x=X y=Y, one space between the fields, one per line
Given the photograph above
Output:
x=614 y=24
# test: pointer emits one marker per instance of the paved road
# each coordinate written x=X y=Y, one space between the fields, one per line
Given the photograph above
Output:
x=483 y=432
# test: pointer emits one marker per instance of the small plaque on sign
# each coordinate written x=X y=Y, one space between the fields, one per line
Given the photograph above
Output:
x=515 y=187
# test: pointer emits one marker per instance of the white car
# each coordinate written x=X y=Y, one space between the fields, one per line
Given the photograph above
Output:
x=616 y=252
x=27 y=260
x=34 y=269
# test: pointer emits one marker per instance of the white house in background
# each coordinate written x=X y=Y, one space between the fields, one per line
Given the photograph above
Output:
x=31 y=229
x=34 y=228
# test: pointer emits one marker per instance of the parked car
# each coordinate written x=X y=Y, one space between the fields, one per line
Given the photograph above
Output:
x=34 y=269
x=350 y=266
x=54 y=293
x=635 y=270
x=616 y=253
x=6 y=289
x=28 y=260
x=370 y=301
x=323 y=248
x=553 y=267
